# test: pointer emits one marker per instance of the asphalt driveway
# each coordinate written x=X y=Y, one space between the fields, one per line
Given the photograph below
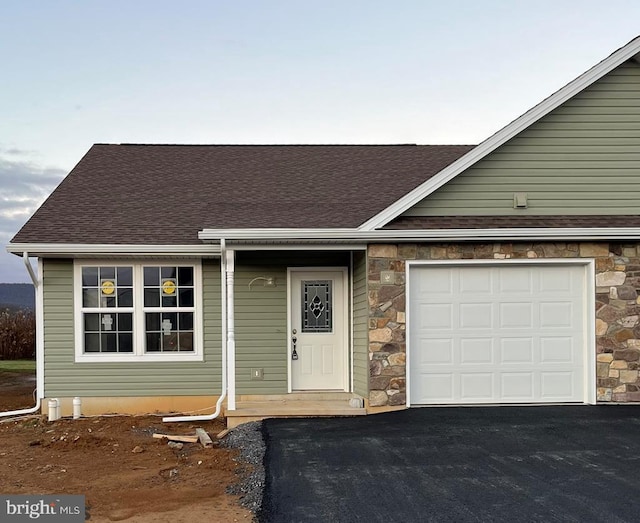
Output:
x=556 y=463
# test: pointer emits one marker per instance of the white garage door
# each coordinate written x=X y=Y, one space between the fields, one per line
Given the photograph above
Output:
x=496 y=334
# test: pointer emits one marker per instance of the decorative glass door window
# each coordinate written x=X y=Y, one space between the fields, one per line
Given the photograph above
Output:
x=107 y=302
x=317 y=309
x=169 y=309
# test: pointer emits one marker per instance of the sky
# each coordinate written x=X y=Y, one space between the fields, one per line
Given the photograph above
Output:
x=75 y=73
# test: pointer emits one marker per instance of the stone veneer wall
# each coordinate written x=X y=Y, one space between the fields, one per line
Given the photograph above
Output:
x=617 y=310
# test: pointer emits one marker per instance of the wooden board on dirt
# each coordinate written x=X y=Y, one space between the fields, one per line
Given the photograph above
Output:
x=177 y=437
x=223 y=433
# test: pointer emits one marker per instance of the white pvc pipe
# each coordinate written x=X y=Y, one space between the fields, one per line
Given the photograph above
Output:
x=77 y=407
x=51 y=404
x=39 y=355
x=54 y=409
x=223 y=393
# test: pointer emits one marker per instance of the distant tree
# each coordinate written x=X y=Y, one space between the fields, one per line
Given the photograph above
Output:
x=17 y=335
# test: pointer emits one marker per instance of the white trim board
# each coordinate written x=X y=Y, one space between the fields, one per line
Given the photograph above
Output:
x=276 y=239
x=534 y=114
x=88 y=249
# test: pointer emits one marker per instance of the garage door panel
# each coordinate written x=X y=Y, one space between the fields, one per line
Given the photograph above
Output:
x=474 y=281
x=475 y=315
x=558 y=349
x=436 y=316
x=516 y=315
x=557 y=385
x=477 y=386
x=476 y=350
x=516 y=350
x=436 y=351
x=437 y=283
x=497 y=335
x=438 y=388
x=559 y=314
x=515 y=280
x=517 y=386
x=561 y=280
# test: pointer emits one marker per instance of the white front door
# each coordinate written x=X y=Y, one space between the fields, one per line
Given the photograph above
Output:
x=318 y=329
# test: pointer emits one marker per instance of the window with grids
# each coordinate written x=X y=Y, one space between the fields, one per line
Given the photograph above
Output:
x=137 y=311
x=168 y=309
x=107 y=302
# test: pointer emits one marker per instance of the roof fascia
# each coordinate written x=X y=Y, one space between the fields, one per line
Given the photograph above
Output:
x=82 y=249
x=277 y=237
x=315 y=246
x=288 y=234
x=534 y=114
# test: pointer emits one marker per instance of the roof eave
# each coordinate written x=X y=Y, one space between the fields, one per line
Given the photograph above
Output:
x=85 y=249
x=629 y=51
x=356 y=236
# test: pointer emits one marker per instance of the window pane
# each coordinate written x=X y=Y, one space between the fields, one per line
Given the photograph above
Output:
x=125 y=342
x=92 y=342
x=109 y=302
x=153 y=322
x=92 y=322
x=125 y=297
x=108 y=322
x=91 y=297
x=169 y=301
x=125 y=322
x=152 y=297
x=90 y=276
x=170 y=321
x=168 y=272
x=185 y=321
x=152 y=276
x=125 y=277
x=186 y=297
x=186 y=341
x=107 y=273
x=153 y=342
x=170 y=342
x=185 y=276
x=109 y=342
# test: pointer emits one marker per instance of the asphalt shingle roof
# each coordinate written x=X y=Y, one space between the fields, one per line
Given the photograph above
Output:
x=165 y=194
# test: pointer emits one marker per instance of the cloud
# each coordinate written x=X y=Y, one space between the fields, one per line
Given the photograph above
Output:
x=24 y=185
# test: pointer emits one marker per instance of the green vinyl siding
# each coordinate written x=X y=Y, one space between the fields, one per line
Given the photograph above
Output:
x=360 y=321
x=64 y=377
x=261 y=315
x=580 y=159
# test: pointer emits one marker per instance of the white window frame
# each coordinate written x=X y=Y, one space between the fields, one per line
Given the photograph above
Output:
x=139 y=328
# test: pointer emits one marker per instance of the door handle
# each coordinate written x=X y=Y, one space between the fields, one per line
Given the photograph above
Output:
x=294 y=353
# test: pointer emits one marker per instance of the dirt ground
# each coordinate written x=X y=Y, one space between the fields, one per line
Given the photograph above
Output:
x=96 y=457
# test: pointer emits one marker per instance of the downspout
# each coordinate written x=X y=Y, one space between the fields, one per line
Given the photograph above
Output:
x=223 y=393
x=39 y=344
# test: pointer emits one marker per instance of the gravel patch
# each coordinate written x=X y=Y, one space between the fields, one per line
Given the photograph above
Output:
x=247 y=438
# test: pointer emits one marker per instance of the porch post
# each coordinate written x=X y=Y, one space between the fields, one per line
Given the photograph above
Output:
x=231 y=332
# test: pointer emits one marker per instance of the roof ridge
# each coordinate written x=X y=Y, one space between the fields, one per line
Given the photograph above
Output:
x=126 y=144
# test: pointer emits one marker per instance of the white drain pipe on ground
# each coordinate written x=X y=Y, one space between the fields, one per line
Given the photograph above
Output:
x=226 y=302
x=39 y=345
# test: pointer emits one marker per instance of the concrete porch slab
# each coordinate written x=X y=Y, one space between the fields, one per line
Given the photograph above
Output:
x=295 y=405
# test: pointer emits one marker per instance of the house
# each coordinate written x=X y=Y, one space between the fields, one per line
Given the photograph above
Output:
x=293 y=280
